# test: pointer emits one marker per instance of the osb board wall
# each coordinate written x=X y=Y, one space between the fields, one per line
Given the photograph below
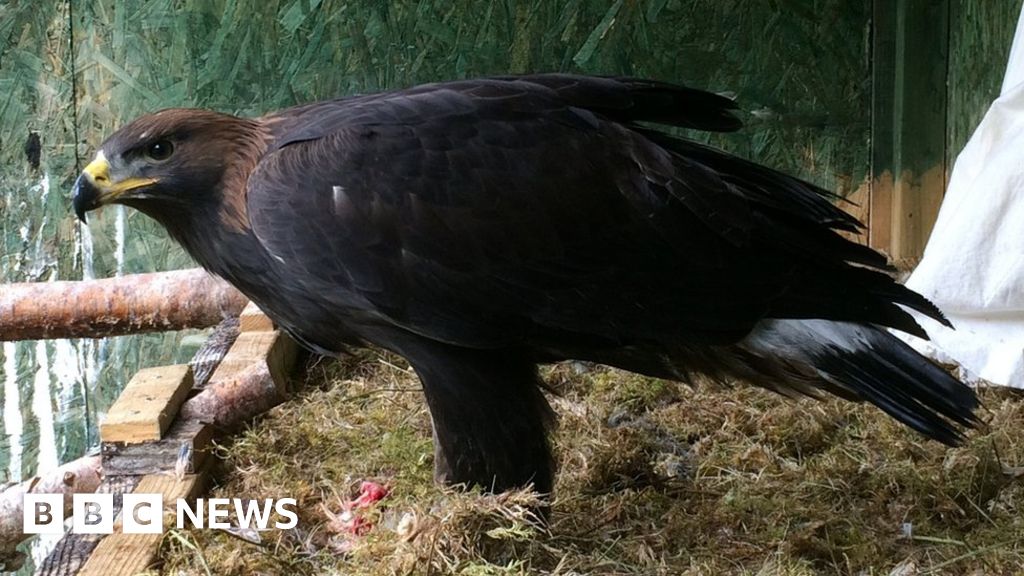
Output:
x=74 y=71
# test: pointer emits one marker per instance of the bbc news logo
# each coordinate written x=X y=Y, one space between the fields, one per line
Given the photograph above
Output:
x=144 y=513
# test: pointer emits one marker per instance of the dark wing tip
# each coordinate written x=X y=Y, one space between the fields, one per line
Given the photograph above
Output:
x=678 y=105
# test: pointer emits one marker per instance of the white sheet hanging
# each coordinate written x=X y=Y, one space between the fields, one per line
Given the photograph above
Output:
x=973 y=266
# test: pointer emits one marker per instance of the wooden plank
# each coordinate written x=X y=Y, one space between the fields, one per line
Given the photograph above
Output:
x=130 y=553
x=275 y=349
x=252 y=378
x=147 y=405
x=252 y=319
x=915 y=208
x=187 y=487
x=909 y=103
x=122 y=554
x=282 y=357
x=883 y=93
x=73 y=550
x=190 y=436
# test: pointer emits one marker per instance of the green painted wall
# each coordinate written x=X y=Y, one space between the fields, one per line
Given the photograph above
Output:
x=75 y=71
x=981 y=32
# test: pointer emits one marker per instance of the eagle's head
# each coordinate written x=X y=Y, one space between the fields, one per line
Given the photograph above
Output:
x=173 y=166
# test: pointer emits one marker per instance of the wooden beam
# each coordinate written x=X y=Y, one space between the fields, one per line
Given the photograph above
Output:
x=252 y=319
x=252 y=378
x=275 y=349
x=257 y=363
x=910 y=54
x=120 y=554
x=171 y=487
x=147 y=405
x=73 y=550
x=188 y=439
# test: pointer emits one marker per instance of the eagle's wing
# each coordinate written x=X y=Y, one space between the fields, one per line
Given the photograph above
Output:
x=528 y=210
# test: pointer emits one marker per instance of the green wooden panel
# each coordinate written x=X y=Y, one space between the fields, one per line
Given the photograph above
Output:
x=800 y=67
x=909 y=84
x=35 y=96
x=130 y=58
x=980 y=37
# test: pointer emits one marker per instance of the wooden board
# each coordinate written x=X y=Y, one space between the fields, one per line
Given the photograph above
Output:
x=122 y=554
x=73 y=550
x=908 y=157
x=162 y=455
x=252 y=319
x=188 y=487
x=276 y=349
x=147 y=405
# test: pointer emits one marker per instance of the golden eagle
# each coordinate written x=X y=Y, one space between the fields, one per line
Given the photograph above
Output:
x=481 y=227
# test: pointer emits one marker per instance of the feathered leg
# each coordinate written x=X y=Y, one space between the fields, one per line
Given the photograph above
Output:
x=490 y=417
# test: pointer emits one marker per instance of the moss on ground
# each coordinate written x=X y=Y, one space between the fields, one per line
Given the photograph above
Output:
x=656 y=478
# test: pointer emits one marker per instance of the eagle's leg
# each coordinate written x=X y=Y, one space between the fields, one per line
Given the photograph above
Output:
x=442 y=470
x=490 y=417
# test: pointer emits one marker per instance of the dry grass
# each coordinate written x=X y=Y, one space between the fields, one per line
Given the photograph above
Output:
x=655 y=479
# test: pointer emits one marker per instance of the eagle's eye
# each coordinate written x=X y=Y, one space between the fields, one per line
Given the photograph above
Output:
x=160 y=150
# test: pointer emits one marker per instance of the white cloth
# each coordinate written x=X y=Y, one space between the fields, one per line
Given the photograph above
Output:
x=973 y=266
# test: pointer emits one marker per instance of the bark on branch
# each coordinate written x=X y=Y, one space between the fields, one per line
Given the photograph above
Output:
x=252 y=378
x=114 y=306
x=229 y=402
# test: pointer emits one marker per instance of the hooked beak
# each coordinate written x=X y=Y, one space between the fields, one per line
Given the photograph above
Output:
x=94 y=187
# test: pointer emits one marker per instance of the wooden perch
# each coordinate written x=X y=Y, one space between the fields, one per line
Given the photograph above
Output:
x=236 y=399
x=77 y=476
x=115 y=306
x=249 y=375
x=251 y=379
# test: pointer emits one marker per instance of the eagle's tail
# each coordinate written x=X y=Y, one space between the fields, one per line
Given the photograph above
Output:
x=858 y=362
